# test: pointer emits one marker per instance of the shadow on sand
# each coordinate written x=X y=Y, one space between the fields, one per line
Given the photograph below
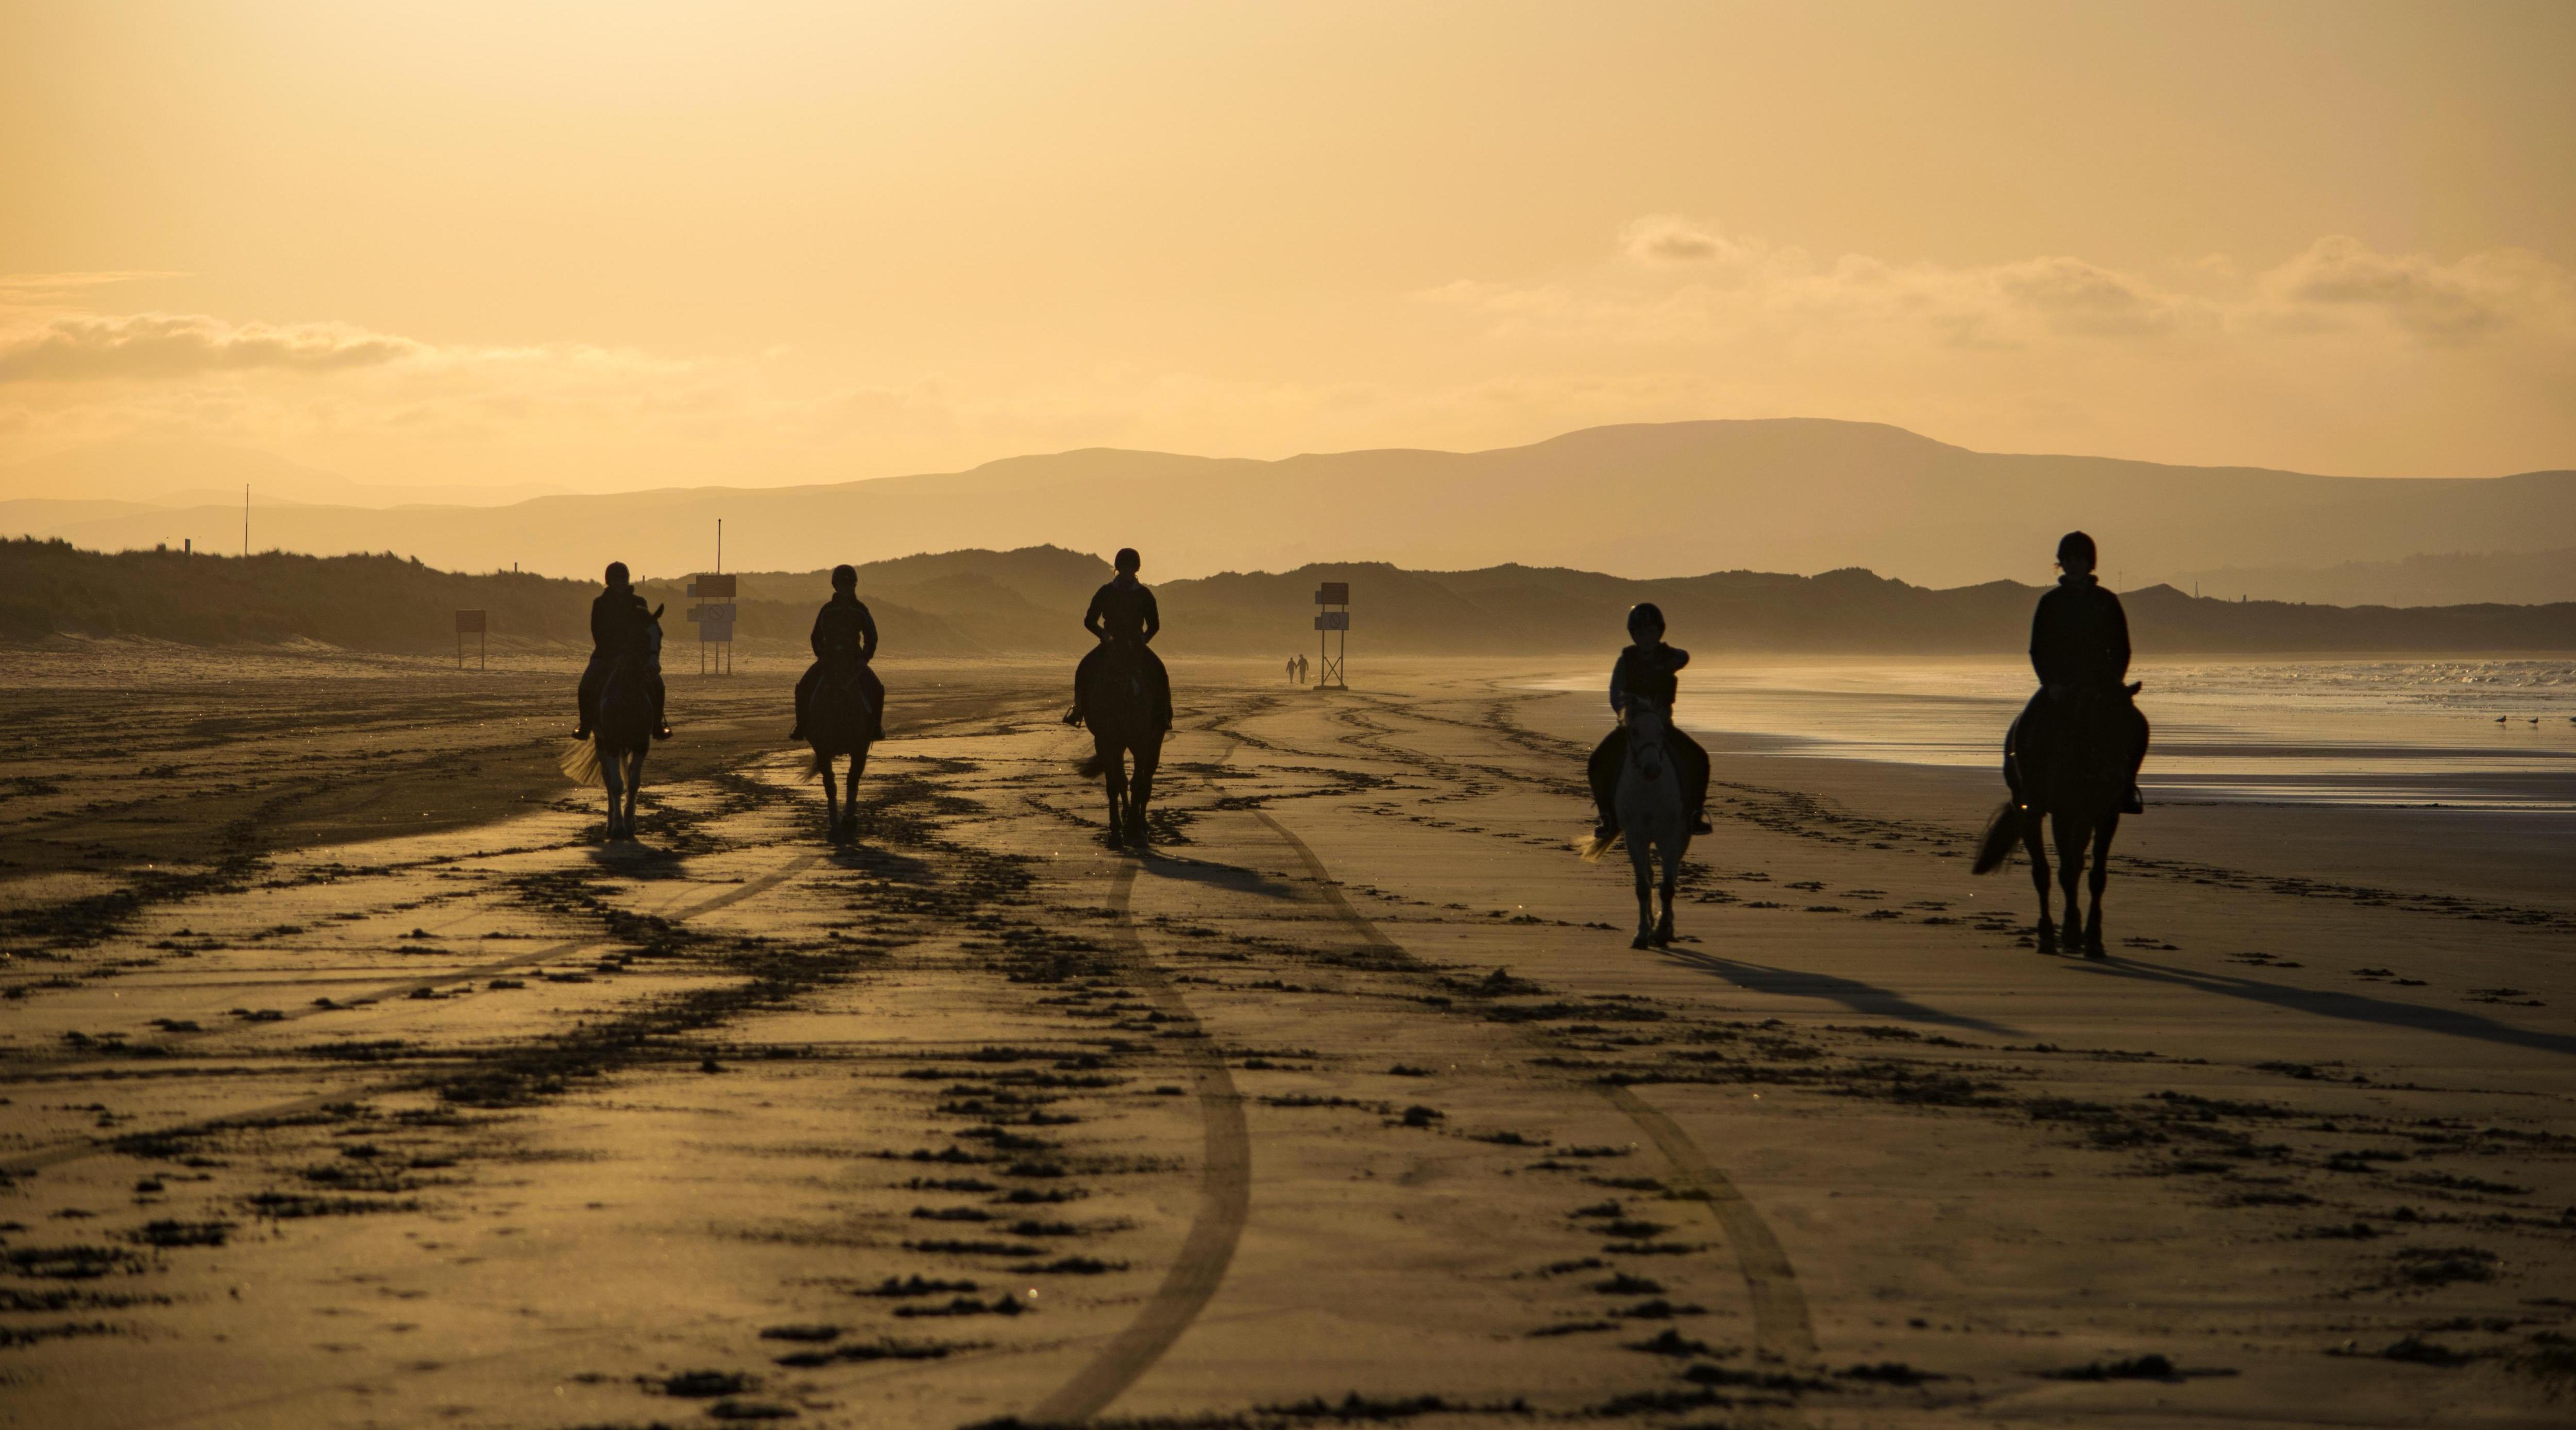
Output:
x=1858 y=997
x=634 y=859
x=1217 y=876
x=2353 y=1007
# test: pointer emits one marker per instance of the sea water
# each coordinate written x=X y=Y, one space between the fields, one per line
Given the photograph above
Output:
x=2455 y=733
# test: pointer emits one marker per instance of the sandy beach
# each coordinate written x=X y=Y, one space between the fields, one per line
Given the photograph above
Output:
x=352 y=1081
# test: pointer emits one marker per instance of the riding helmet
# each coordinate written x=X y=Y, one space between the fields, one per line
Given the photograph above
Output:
x=1128 y=560
x=1644 y=614
x=2075 y=551
x=845 y=578
x=616 y=573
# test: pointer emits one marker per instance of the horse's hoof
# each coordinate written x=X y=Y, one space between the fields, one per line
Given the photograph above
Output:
x=2047 y=939
x=1641 y=941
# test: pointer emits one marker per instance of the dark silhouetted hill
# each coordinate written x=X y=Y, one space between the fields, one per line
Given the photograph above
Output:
x=1030 y=601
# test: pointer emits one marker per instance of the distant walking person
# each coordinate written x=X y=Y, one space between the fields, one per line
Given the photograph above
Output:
x=614 y=616
x=1124 y=618
x=2079 y=647
x=843 y=631
x=1647 y=670
x=1292 y=670
x=1301 y=670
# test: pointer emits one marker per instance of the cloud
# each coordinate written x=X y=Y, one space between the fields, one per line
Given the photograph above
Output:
x=2454 y=302
x=161 y=346
x=1689 y=281
x=1672 y=239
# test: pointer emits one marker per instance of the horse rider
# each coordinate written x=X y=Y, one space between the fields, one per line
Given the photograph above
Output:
x=2079 y=647
x=1123 y=617
x=1648 y=670
x=844 y=631
x=615 y=616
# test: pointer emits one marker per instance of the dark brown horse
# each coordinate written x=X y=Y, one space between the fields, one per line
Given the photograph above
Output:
x=1118 y=705
x=2072 y=768
x=839 y=719
x=615 y=751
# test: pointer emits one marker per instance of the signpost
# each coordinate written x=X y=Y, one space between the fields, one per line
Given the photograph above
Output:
x=1333 y=633
x=472 y=623
x=715 y=622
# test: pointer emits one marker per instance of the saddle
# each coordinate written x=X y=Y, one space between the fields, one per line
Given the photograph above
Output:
x=2073 y=733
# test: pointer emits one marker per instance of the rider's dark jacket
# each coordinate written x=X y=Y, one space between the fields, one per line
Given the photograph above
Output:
x=614 y=613
x=845 y=625
x=2079 y=637
x=1123 y=610
x=1650 y=671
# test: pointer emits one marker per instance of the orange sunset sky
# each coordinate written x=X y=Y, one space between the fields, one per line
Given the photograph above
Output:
x=595 y=246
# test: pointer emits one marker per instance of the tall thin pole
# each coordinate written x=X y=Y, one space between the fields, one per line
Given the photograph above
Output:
x=719 y=546
x=245 y=521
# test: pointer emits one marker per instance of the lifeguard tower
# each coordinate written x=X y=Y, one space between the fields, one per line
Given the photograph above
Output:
x=715 y=622
x=1332 y=633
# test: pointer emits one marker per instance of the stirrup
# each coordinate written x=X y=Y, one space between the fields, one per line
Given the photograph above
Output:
x=662 y=732
x=581 y=732
x=1699 y=825
x=1073 y=716
x=796 y=734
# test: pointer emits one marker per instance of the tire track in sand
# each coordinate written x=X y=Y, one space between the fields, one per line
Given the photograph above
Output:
x=64 y=1152
x=1225 y=1200
x=1782 y=1327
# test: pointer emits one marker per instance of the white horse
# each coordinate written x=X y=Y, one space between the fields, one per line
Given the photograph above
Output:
x=1652 y=820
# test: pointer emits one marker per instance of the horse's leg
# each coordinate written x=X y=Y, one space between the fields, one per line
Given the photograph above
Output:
x=1149 y=758
x=2036 y=847
x=612 y=777
x=1671 y=853
x=1641 y=850
x=2072 y=837
x=831 y=796
x=1113 y=775
x=634 y=788
x=2103 y=834
x=850 y=799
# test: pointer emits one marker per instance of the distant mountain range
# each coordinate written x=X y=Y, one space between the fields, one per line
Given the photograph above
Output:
x=1030 y=601
x=1637 y=501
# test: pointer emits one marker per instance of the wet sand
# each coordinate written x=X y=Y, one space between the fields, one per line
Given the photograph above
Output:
x=352 y=1081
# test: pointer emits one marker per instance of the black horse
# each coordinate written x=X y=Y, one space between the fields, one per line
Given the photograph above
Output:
x=839 y=717
x=2073 y=769
x=626 y=720
x=1118 y=705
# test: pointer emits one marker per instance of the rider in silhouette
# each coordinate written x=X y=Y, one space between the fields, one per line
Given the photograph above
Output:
x=1123 y=616
x=614 y=616
x=1650 y=669
x=2079 y=646
x=843 y=630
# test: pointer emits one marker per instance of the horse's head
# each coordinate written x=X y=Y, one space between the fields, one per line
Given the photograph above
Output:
x=1647 y=725
x=648 y=637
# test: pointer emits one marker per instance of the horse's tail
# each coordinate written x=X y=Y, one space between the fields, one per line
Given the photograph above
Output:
x=2003 y=830
x=1095 y=767
x=1596 y=847
x=822 y=767
x=580 y=763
